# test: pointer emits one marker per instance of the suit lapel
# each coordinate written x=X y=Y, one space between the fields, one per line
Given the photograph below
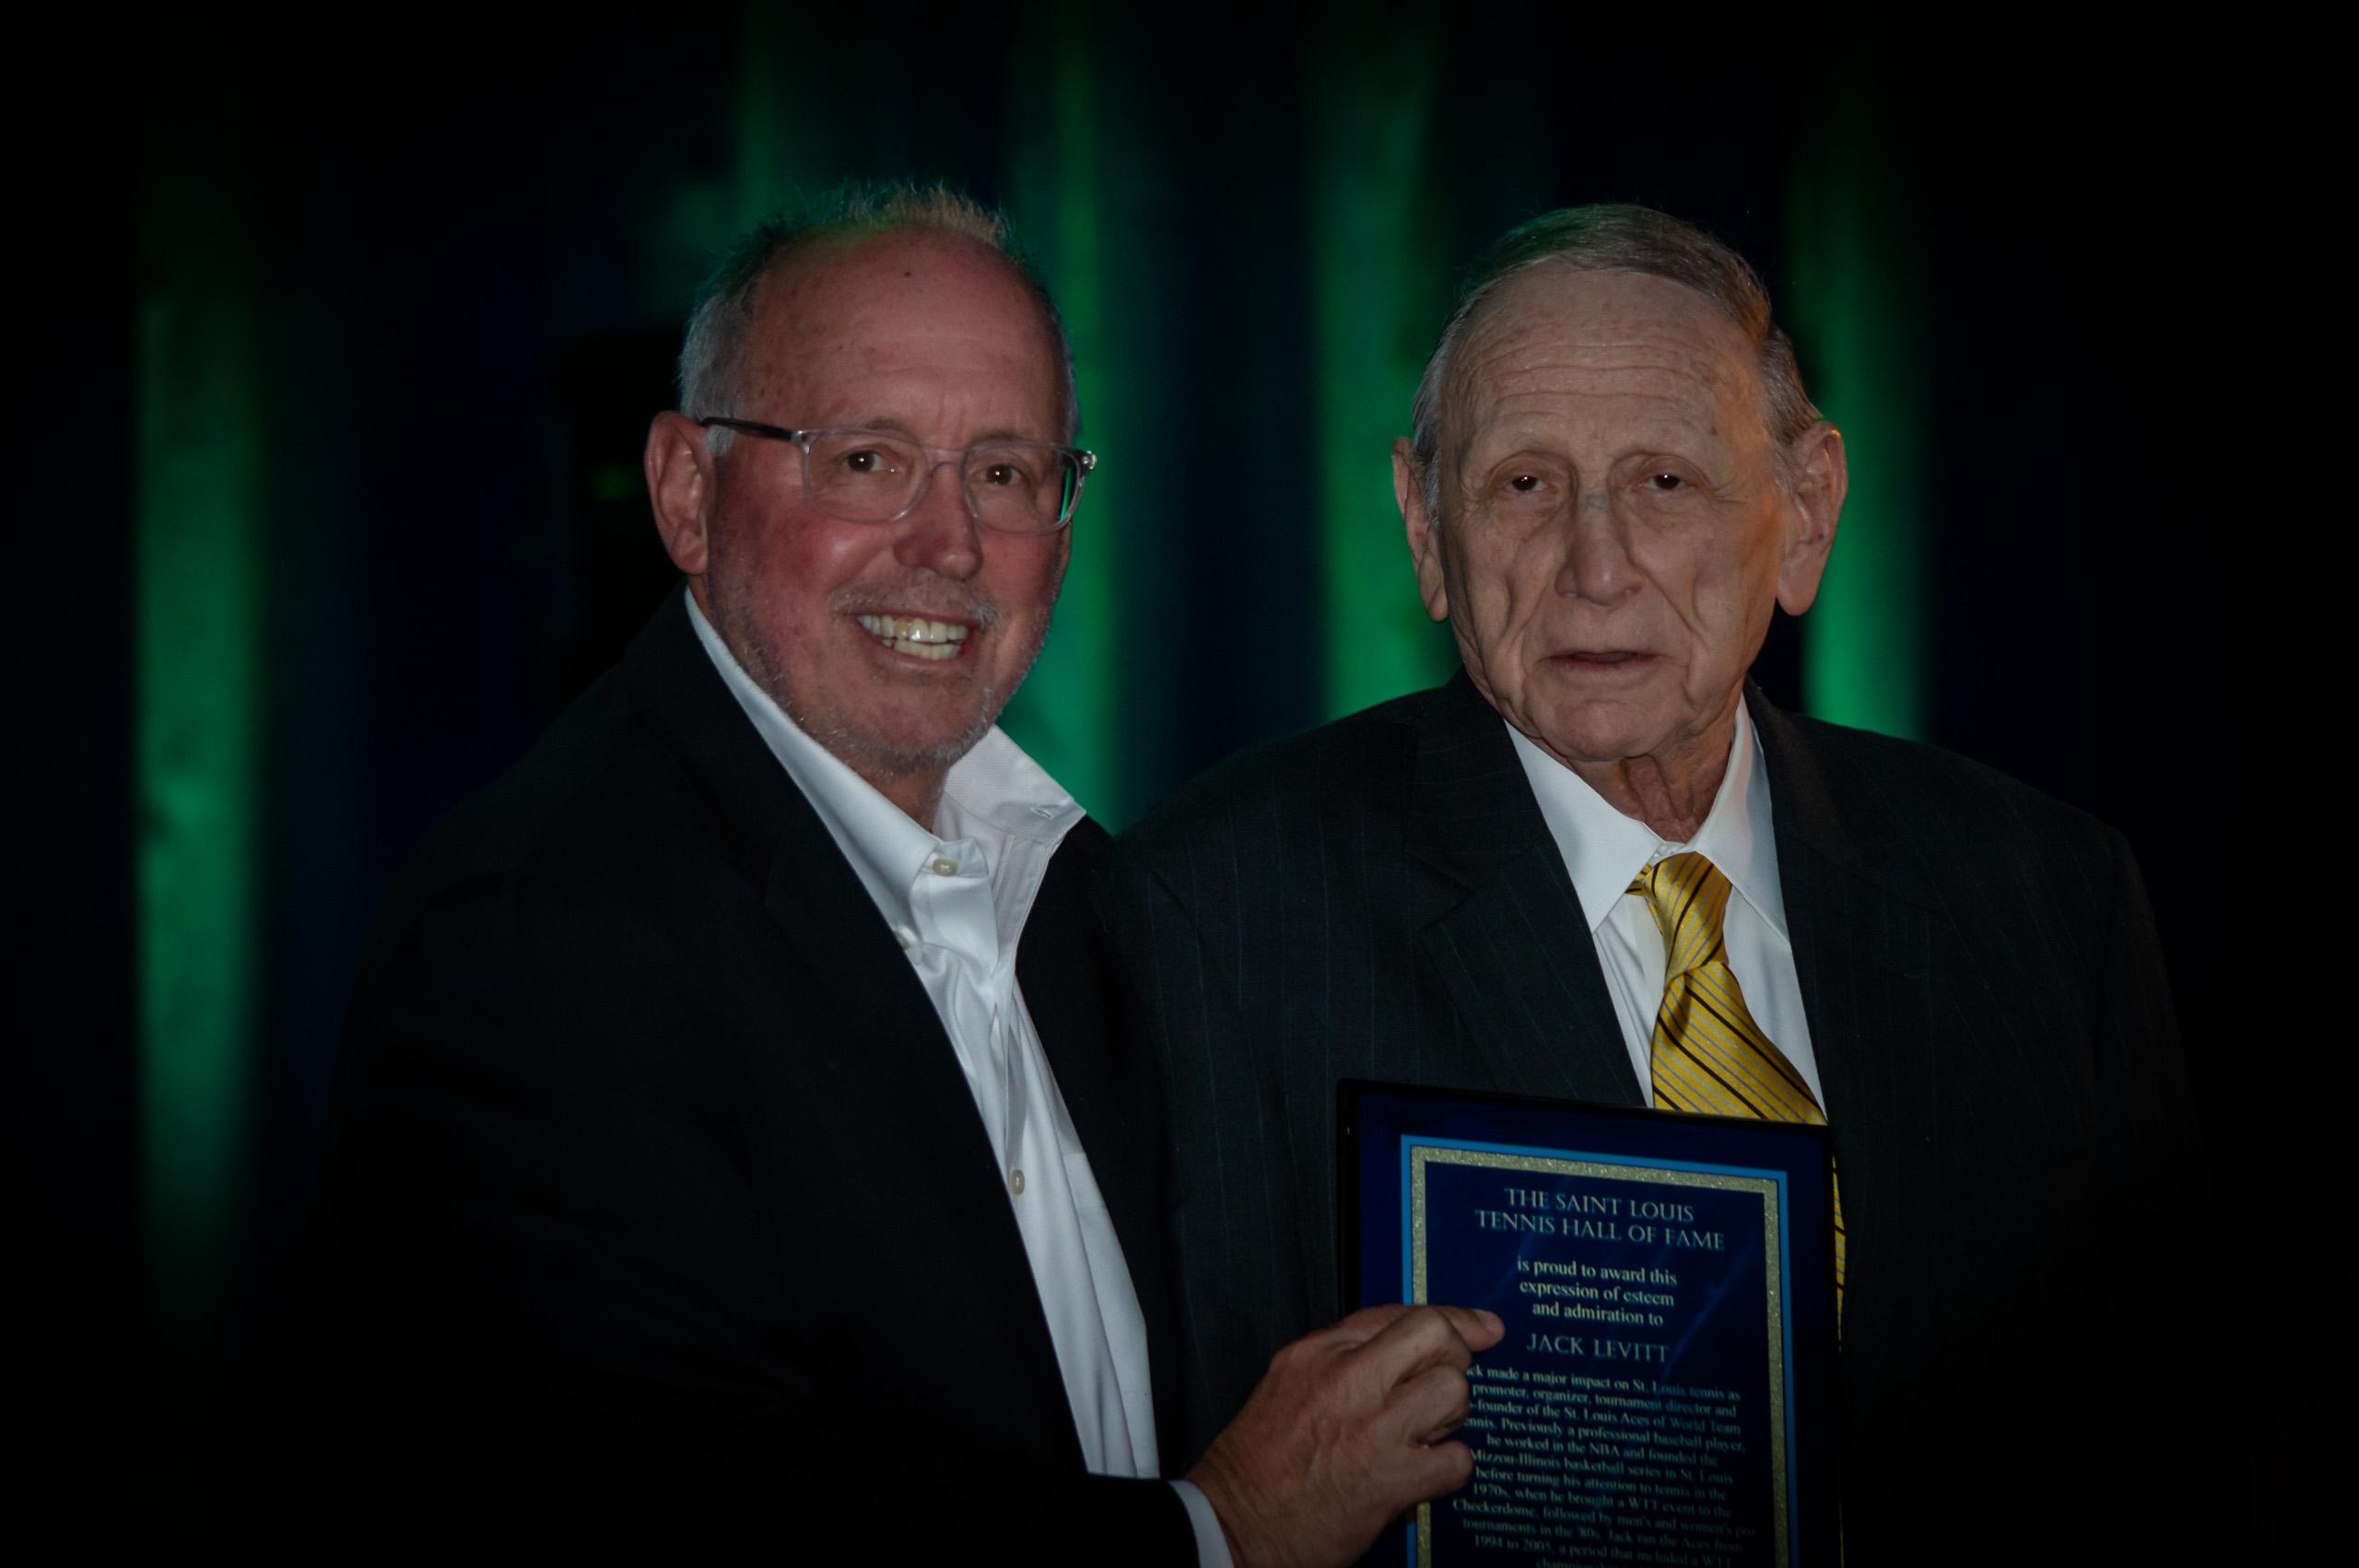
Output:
x=1508 y=935
x=890 y=1041
x=1064 y=966
x=1862 y=937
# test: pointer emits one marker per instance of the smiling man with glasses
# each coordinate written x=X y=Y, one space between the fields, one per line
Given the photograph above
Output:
x=734 y=1151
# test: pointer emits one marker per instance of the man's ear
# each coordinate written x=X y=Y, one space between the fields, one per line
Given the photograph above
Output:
x=1822 y=478
x=680 y=488
x=1425 y=538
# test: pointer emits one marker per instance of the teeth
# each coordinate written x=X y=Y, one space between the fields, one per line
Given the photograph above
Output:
x=915 y=635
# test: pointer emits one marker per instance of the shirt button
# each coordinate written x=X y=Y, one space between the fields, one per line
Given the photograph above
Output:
x=1015 y=1182
x=906 y=937
x=945 y=866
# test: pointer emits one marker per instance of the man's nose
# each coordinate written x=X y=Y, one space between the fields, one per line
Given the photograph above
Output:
x=939 y=534
x=1597 y=565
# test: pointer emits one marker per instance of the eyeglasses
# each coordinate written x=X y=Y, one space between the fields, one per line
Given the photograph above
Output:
x=877 y=476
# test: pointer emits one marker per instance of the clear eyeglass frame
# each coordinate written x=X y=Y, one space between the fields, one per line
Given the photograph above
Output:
x=1074 y=466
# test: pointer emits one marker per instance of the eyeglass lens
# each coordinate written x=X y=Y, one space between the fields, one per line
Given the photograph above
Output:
x=866 y=476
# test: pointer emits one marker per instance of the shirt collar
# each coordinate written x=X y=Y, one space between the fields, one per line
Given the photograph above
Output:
x=994 y=792
x=1605 y=851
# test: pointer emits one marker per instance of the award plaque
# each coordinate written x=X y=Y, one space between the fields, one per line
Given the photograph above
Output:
x=1665 y=1391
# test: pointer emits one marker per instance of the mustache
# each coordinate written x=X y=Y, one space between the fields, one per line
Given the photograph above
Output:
x=934 y=598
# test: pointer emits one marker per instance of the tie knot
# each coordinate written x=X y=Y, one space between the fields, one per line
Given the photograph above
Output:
x=1688 y=896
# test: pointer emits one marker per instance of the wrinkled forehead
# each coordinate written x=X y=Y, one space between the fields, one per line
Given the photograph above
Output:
x=1559 y=341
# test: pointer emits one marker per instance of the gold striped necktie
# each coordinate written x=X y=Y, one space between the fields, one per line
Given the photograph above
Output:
x=1710 y=1055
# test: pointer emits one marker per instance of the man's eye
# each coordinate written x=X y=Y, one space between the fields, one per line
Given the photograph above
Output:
x=1665 y=482
x=1002 y=475
x=866 y=461
x=1529 y=491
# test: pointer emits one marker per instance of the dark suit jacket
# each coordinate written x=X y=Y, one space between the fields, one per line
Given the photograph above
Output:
x=662 y=1214
x=2022 y=1184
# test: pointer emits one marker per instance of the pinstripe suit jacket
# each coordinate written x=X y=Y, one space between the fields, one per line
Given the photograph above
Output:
x=2021 y=1178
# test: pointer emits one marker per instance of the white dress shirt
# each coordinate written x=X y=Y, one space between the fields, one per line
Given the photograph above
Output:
x=956 y=899
x=1605 y=852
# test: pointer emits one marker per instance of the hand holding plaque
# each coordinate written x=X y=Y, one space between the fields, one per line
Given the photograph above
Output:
x=1349 y=1428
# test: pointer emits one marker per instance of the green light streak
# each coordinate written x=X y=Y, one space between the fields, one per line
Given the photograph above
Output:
x=1068 y=713
x=1379 y=291
x=764 y=136
x=1865 y=658
x=199 y=603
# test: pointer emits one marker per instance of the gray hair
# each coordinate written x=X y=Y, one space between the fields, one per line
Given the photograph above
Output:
x=712 y=355
x=1623 y=239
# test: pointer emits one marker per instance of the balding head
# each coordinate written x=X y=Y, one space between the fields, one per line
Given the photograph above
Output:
x=713 y=356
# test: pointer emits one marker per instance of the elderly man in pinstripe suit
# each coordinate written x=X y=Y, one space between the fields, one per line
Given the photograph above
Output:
x=1614 y=478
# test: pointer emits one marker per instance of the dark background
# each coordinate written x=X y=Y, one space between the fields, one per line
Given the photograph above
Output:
x=417 y=289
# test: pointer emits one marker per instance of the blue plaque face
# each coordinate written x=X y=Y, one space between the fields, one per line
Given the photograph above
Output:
x=1664 y=1393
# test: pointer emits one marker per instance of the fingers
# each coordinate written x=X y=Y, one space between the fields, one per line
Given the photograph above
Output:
x=1441 y=1469
x=1480 y=1330
x=1417 y=1369
x=1350 y=1426
x=1365 y=1324
x=1432 y=1336
x=1432 y=1405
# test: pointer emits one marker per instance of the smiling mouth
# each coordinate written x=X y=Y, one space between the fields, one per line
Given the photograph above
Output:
x=916 y=635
